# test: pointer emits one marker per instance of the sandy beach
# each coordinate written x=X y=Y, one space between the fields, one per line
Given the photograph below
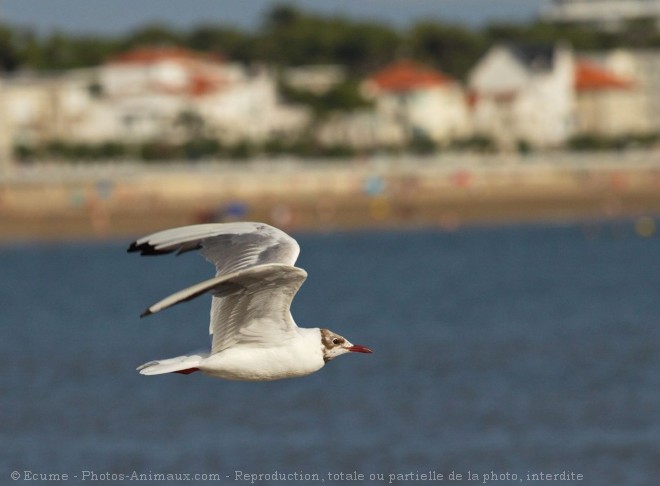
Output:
x=54 y=202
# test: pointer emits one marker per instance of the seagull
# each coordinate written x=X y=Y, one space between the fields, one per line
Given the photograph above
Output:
x=253 y=335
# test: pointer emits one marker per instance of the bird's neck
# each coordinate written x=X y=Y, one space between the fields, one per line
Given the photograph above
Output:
x=314 y=336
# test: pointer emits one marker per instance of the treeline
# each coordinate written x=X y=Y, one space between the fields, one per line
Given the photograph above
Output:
x=201 y=148
x=288 y=36
x=304 y=146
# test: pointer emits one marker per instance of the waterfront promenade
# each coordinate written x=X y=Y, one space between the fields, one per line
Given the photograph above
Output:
x=47 y=201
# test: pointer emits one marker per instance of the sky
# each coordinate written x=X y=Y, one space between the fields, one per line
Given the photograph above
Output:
x=119 y=16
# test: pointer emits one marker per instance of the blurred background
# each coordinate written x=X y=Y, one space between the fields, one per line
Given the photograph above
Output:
x=119 y=118
x=475 y=186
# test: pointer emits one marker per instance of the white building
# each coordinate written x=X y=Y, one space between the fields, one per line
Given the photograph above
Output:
x=147 y=94
x=316 y=78
x=642 y=66
x=71 y=107
x=153 y=87
x=29 y=108
x=249 y=109
x=524 y=95
x=608 y=104
x=166 y=69
x=423 y=101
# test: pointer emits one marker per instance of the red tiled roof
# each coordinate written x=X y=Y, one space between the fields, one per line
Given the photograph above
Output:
x=408 y=76
x=196 y=85
x=471 y=98
x=200 y=81
x=589 y=77
x=148 y=55
x=201 y=85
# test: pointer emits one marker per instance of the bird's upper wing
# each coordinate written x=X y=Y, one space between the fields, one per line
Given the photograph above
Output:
x=229 y=246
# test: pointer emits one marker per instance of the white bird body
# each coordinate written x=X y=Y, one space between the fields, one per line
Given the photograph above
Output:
x=301 y=356
x=254 y=337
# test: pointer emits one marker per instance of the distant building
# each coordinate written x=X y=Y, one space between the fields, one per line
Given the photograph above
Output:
x=145 y=90
x=317 y=79
x=422 y=100
x=642 y=66
x=63 y=106
x=608 y=14
x=250 y=110
x=30 y=108
x=149 y=94
x=522 y=94
x=171 y=70
x=160 y=87
x=608 y=104
x=361 y=129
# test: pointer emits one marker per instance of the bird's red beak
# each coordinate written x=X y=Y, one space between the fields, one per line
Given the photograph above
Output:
x=359 y=349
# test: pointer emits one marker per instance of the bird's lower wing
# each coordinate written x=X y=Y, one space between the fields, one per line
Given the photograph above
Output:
x=259 y=313
x=218 y=285
x=249 y=306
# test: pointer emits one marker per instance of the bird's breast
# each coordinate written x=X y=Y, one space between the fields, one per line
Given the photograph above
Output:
x=264 y=364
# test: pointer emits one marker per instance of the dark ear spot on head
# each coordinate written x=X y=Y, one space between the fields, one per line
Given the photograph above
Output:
x=326 y=338
x=331 y=340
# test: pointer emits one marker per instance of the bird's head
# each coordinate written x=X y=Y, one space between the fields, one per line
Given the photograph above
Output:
x=334 y=345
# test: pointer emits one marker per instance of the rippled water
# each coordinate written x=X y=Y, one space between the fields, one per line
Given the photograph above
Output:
x=521 y=350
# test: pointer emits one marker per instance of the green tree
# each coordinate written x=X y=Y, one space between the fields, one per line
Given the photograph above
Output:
x=153 y=34
x=9 y=57
x=233 y=43
x=292 y=37
x=452 y=49
x=345 y=96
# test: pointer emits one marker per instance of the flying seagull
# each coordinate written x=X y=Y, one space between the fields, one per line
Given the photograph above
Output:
x=254 y=337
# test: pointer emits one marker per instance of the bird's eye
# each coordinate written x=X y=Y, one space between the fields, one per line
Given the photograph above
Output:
x=336 y=341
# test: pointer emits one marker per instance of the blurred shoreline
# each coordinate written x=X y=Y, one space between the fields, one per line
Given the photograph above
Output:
x=50 y=201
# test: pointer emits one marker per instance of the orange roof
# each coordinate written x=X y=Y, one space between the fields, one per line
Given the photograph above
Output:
x=196 y=87
x=148 y=55
x=200 y=85
x=589 y=77
x=407 y=76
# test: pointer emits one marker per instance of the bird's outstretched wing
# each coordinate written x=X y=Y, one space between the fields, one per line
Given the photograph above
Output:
x=240 y=253
x=229 y=246
x=255 y=306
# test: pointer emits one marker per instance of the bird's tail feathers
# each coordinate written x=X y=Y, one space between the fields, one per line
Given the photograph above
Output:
x=181 y=364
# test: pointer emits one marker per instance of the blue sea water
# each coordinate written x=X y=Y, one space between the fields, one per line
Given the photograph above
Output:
x=505 y=351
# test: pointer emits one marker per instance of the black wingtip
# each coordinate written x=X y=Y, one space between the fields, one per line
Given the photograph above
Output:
x=132 y=248
x=146 y=313
x=143 y=248
x=146 y=249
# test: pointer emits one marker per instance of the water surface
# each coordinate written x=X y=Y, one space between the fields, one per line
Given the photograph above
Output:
x=511 y=350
